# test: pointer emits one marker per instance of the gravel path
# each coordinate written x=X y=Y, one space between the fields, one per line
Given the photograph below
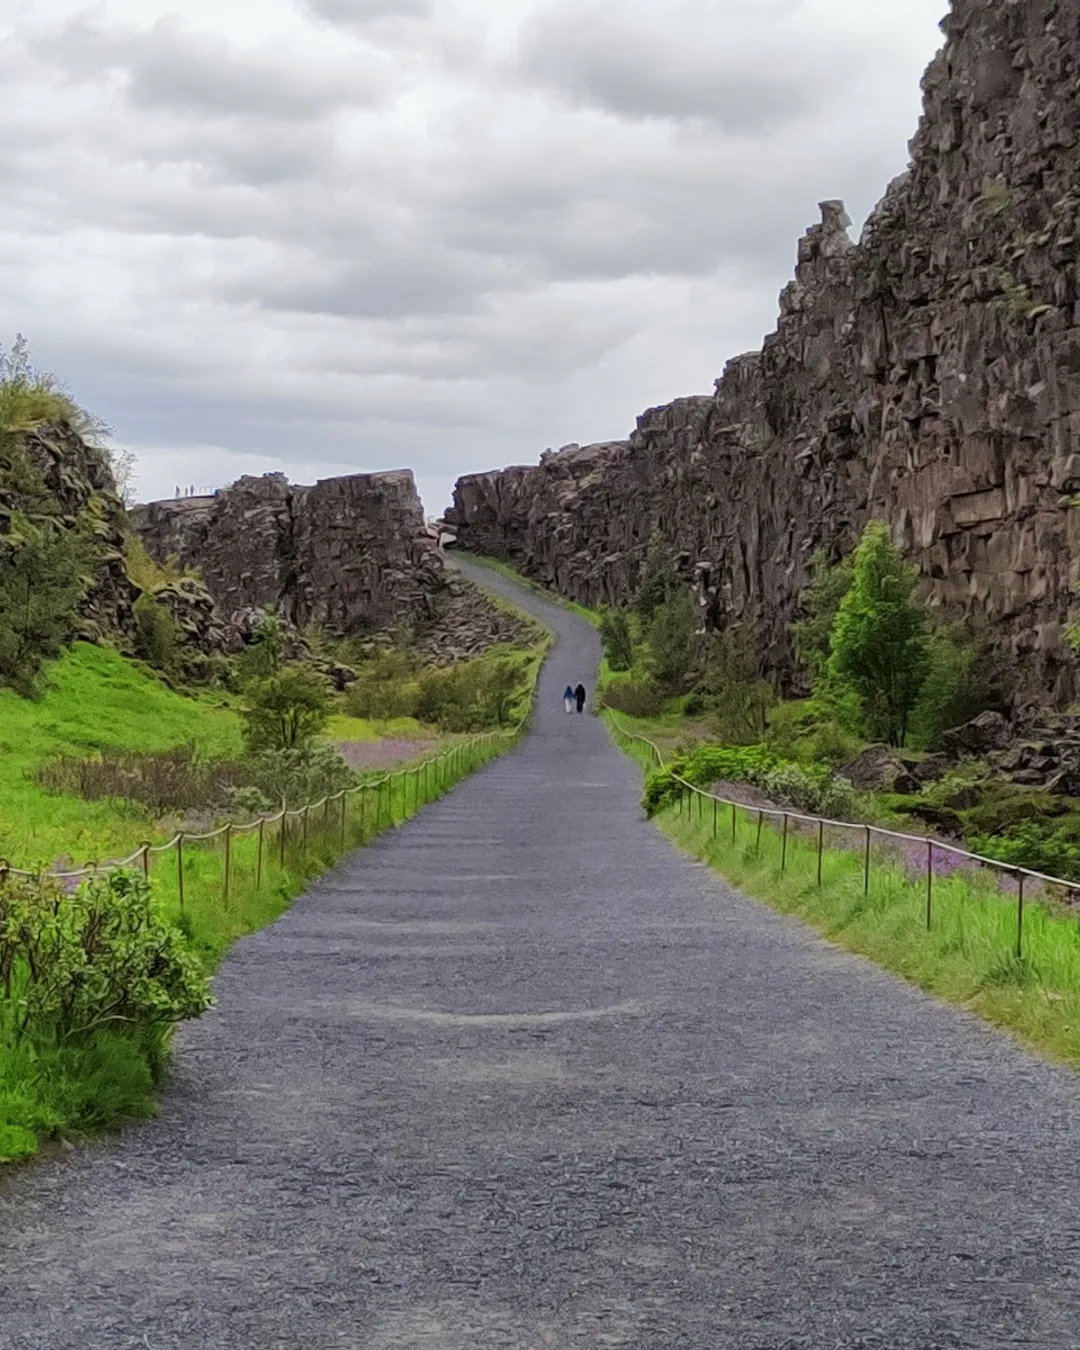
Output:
x=520 y=1076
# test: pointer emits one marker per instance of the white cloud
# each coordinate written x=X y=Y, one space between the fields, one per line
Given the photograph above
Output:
x=327 y=235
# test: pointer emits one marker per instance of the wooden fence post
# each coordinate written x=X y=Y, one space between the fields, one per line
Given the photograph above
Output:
x=866 y=864
x=259 y=855
x=1020 y=919
x=783 y=848
x=734 y=810
x=820 y=848
x=228 y=859
x=929 y=882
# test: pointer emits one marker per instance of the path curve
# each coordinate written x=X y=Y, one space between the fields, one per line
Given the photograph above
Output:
x=579 y=1094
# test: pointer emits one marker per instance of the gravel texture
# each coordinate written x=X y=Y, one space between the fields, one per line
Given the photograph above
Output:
x=519 y=1076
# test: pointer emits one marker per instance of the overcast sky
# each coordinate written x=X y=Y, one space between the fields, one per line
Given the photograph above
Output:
x=329 y=236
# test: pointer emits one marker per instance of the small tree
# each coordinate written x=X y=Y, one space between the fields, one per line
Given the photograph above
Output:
x=740 y=700
x=43 y=580
x=671 y=640
x=265 y=654
x=657 y=579
x=818 y=606
x=616 y=637
x=286 y=709
x=156 y=636
x=879 y=644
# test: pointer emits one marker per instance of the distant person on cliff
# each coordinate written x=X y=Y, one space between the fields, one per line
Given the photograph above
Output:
x=568 y=698
x=579 y=697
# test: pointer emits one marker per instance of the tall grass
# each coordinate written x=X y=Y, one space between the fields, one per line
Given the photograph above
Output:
x=967 y=956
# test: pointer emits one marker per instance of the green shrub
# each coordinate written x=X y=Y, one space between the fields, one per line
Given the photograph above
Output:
x=386 y=687
x=156 y=635
x=617 y=639
x=961 y=682
x=44 y=576
x=808 y=732
x=671 y=635
x=1000 y=807
x=704 y=765
x=635 y=698
x=818 y=606
x=265 y=653
x=297 y=776
x=102 y=957
x=1042 y=846
x=740 y=700
x=473 y=695
x=814 y=789
x=286 y=709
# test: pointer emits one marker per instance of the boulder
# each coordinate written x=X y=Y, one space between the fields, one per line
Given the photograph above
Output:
x=879 y=769
x=988 y=732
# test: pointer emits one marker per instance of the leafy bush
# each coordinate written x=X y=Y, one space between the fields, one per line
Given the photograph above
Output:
x=703 y=766
x=808 y=732
x=1042 y=846
x=815 y=790
x=617 y=639
x=999 y=807
x=103 y=957
x=473 y=695
x=671 y=640
x=296 y=776
x=264 y=655
x=286 y=709
x=156 y=635
x=961 y=682
x=385 y=687
x=635 y=698
x=43 y=579
x=818 y=606
x=739 y=698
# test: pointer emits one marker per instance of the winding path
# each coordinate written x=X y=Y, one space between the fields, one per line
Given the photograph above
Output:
x=577 y=1093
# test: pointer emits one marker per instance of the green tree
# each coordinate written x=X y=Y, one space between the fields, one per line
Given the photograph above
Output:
x=616 y=637
x=671 y=640
x=657 y=579
x=739 y=699
x=818 y=606
x=286 y=709
x=962 y=681
x=43 y=580
x=155 y=633
x=265 y=653
x=879 y=643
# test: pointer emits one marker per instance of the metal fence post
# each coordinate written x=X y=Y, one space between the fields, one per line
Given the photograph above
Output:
x=929 y=882
x=866 y=864
x=146 y=861
x=345 y=813
x=820 y=848
x=1020 y=919
x=783 y=846
x=180 y=866
x=259 y=854
x=715 y=816
x=228 y=859
x=760 y=823
x=734 y=822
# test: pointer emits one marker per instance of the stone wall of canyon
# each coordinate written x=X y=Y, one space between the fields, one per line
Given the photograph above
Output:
x=928 y=376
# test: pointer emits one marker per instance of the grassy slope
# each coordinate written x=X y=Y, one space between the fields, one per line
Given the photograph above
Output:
x=95 y=700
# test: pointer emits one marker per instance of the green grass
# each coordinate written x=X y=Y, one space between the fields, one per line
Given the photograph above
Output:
x=94 y=700
x=969 y=955
x=343 y=728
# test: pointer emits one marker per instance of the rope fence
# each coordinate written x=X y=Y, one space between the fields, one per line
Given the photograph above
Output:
x=690 y=796
x=383 y=803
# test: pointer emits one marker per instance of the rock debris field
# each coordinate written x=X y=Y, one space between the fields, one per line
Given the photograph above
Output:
x=521 y=1076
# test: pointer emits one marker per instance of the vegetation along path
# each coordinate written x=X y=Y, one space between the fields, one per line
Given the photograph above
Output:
x=522 y=1076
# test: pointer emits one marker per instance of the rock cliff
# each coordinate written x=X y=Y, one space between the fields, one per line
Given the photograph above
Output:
x=348 y=555
x=928 y=376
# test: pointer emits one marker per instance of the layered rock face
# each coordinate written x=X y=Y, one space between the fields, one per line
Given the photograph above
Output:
x=349 y=554
x=928 y=376
x=51 y=472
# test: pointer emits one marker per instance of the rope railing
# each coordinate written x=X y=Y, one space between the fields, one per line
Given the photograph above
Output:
x=870 y=832
x=438 y=771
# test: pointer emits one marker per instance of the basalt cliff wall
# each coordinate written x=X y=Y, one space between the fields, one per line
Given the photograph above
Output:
x=349 y=555
x=928 y=376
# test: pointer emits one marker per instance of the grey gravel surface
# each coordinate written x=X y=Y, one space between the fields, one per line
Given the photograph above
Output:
x=520 y=1076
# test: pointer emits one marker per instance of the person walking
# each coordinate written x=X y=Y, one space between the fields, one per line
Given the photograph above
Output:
x=579 y=697
x=568 y=698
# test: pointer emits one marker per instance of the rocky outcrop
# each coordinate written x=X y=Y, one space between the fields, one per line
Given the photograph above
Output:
x=349 y=555
x=928 y=376
x=51 y=472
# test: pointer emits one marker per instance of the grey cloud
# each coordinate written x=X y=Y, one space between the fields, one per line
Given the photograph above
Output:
x=169 y=67
x=679 y=69
x=360 y=13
